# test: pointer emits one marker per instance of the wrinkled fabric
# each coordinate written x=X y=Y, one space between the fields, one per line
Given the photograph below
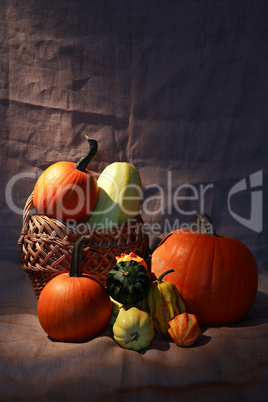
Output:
x=228 y=362
x=179 y=89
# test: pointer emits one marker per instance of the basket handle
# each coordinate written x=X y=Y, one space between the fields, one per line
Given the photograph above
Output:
x=25 y=219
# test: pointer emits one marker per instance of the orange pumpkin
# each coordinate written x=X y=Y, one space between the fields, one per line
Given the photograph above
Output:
x=129 y=257
x=73 y=307
x=66 y=190
x=184 y=329
x=216 y=276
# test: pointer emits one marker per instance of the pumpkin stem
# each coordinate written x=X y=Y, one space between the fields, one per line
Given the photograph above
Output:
x=76 y=258
x=159 y=280
x=207 y=223
x=84 y=161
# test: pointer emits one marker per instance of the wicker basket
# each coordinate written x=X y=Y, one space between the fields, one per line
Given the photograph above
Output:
x=46 y=245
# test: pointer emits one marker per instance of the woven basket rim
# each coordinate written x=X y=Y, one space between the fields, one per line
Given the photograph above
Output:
x=46 y=245
x=72 y=230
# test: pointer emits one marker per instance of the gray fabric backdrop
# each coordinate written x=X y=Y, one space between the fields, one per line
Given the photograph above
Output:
x=178 y=88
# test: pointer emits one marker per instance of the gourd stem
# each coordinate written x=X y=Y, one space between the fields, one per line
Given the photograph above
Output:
x=159 y=280
x=133 y=337
x=84 y=161
x=76 y=258
x=207 y=223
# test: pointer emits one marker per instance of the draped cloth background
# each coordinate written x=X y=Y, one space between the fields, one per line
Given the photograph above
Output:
x=179 y=89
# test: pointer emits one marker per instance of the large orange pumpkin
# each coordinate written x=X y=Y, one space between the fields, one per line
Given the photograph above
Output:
x=216 y=276
x=66 y=190
x=73 y=307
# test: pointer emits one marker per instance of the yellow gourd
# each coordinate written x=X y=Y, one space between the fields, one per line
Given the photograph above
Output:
x=163 y=302
x=133 y=329
x=116 y=306
x=120 y=193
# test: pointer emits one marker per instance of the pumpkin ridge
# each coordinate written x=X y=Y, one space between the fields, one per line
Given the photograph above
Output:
x=233 y=292
x=218 y=288
x=47 y=318
x=76 y=182
x=246 y=278
x=189 y=261
x=66 y=183
x=237 y=296
x=212 y=274
x=84 y=296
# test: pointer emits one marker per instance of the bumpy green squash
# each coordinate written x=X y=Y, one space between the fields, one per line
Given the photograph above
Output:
x=128 y=282
x=120 y=193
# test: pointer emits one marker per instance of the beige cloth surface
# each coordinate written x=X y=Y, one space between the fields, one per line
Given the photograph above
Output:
x=227 y=363
x=179 y=89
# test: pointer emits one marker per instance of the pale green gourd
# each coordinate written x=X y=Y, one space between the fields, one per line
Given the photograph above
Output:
x=120 y=193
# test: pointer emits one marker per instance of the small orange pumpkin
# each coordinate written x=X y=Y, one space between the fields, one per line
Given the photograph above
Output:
x=131 y=256
x=184 y=329
x=73 y=307
x=66 y=190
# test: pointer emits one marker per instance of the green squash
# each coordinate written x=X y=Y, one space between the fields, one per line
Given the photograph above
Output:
x=128 y=282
